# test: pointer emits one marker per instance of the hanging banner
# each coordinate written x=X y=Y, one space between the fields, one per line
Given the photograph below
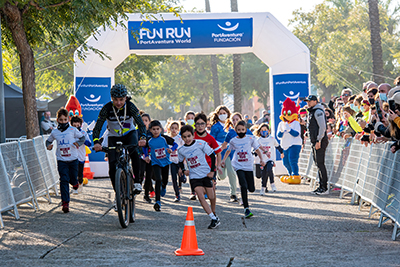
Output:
x=293 y=86
x=93 y=93
x=172 y=34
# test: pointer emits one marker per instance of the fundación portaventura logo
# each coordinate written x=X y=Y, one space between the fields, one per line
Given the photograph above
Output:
x=93 y=99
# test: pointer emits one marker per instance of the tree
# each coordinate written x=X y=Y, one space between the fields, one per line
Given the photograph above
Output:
x=237 y=61
x=376 y=46
x=27 y=24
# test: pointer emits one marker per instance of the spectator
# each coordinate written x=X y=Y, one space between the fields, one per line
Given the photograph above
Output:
x=248 y=121
x=47 y=124
x=394 y=118
x=371 y=94
x=346 y=93
x=264 y=118
x=393 y=91
x=383 y=90
x=303 y=123
x=255 y=118
x=365 y=109
x=319 y=140
x=356 y=106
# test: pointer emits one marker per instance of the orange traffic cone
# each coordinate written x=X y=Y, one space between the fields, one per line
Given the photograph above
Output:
x=189 y=240
x=87 y=173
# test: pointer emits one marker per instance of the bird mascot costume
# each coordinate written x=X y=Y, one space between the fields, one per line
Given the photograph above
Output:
x=289 y=134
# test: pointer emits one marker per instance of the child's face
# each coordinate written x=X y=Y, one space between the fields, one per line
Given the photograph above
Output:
x=235 y=119
x=200 y=126
x=62 y=119
x=77 y=124
x=146 y=121
x=174 y=129
x=189 y=117
x=155 y=131
x=241 y=129
x=187 y=137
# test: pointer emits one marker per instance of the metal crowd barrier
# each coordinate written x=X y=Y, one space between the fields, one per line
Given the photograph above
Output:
x=370 y=174
x=27 y=172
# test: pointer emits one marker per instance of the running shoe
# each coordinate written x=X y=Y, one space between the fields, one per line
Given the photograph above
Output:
x=80 y=189
x=65 y=207
x=315 y=191
x=234 y=198
x=163 y=191
x=214 y=223
x=192 y=197
x=273 y=187
x=177 y=199
x=152 y=194
x=322 y=191
x=247 y=213
x=147 y=199
x=157 y=206
x=137 y=188
x=262 y=192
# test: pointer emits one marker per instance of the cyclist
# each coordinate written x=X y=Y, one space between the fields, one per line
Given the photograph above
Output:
x=121 y=116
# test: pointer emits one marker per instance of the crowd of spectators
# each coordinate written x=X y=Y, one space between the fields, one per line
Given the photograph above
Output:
x=371 y=116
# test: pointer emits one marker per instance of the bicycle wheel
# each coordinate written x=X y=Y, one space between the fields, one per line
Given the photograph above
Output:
x=132 y=218
x=122 y=197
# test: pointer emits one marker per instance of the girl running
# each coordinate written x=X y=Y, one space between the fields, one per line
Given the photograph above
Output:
x=145 y=168
x=242 y=161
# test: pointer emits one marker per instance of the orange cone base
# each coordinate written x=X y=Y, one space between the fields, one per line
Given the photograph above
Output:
x=189 y=252
x=283 y=178
x=88 y=174
x=295 y=179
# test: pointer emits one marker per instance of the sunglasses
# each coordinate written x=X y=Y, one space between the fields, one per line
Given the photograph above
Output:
x=346 y=95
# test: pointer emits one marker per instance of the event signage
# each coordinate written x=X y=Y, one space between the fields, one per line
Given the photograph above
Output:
x=293 y=86
x=177 y=34
x=92 y=93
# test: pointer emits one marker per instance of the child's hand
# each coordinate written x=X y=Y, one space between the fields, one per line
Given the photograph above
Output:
x=180 y=172
x=282 y=155
x=274 y=164
x=223 y=164
x=219 y=170
x=169 y=150
x=186 y=172
x=76 y=145
x=262 y=163
x=147 y=159
x=210 y=175
x=50 y=147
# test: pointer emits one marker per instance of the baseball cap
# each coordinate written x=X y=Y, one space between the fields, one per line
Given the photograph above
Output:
x=311 y=97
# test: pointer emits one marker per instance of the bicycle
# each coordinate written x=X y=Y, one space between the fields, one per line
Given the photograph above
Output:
x=125 y=195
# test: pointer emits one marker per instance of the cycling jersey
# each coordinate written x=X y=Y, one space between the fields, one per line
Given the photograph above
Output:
x=119 y=124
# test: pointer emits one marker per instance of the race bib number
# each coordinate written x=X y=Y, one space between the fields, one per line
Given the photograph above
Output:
x=160 y=153
x=65 y=152
x=193 y=162
x=242 y=156
x=174 y=154
x=267 y=151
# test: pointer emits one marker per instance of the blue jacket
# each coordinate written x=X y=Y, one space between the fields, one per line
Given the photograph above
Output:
x=217 y=131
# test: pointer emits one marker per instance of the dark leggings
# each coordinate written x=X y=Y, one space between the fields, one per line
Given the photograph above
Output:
x=176 y=181
x=266 y=173
x=146 y=173
x=246 y=181
x=129 y=139
x=161 y=175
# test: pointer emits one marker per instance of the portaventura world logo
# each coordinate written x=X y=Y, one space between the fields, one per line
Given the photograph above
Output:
x=92 y=99
x=228 y=37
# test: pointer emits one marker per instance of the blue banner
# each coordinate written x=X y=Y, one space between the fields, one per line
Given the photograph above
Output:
x=171 y=34
x=92 y=93
x=290 y=86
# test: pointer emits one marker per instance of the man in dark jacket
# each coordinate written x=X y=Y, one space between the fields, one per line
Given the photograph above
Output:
x=319 y=140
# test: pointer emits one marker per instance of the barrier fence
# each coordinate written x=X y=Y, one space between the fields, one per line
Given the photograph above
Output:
x=28 y=171
x=371 y=174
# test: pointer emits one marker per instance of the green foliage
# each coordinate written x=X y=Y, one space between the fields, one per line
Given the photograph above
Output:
x=337 y=34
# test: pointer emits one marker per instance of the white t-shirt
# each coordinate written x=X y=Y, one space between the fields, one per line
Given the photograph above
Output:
x=269 y=145
x=82 y=148
x=174 y=155
x=195 y=156
x=66 y=150
x=287 y=139
x=242 y=157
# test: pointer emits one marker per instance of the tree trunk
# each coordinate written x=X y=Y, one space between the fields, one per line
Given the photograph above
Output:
x=237 y=62
x=14 y=20
x=214 y=70
x=376 y=46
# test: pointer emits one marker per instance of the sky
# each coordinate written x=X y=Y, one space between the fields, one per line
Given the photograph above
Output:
x=280 y=9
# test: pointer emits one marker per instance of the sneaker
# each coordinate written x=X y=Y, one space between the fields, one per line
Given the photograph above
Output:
x=137 y=188
x=273 y=187
x=247 y=213
x=266 y=190
x=75 y=189
x=157 y=206
x=233 y=198
x=65 y=207
x=214 y=223
x=192 y=197
x=177 y=199
x=322 y=192
x=147 y=199
x=163 y=191
x=315 y=191
x=152 y=194
x=205 y=196
x=80 y=189
x=262 y=191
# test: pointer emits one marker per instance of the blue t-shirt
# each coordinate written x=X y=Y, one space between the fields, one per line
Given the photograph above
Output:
x=158 y=149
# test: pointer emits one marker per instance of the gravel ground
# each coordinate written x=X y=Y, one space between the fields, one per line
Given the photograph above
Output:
x=291 y=227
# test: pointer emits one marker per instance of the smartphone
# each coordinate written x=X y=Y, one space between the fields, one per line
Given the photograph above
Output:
x=392 y=105
x=302 y=98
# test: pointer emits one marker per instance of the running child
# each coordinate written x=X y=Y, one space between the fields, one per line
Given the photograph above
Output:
x=68 y=141
x=200 y=173
x=267 y=144
x=76 y=122
x=146 y=169
x=242 y=161
x=160 y=158
x=177 y=180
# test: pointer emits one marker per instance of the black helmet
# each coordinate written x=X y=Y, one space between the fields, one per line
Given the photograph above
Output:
x=118 y=90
